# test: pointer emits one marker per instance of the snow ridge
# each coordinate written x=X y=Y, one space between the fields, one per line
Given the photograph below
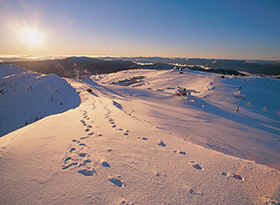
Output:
x=27 y=97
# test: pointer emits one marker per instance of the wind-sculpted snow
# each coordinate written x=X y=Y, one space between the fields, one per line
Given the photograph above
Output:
x=147 y=145
x=27 y=96
x=211 y=111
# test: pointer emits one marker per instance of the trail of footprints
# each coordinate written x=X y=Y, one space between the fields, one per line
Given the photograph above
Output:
x=77 y=157
x=112 y=122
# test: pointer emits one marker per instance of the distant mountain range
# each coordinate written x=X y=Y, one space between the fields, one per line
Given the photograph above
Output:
x=67 y=67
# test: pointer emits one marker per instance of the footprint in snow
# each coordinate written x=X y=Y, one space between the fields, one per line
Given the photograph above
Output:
x=72 y=150
x=180 y=152
x=82 y=138
x=87 y=161
x=143 y=138
x=76 y=156
x=69 y=162
x=116 y=180
x=111 y=120
x=67 y=159
x=66 y=166
x=88 y=136
x=81 y=162
x=87 y=172
x=80 y=143
x=196 y=166
x=105 y=164
x=161 y=143
x=233 y=175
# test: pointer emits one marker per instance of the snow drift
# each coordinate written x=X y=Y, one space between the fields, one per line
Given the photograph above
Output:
x=115 y=144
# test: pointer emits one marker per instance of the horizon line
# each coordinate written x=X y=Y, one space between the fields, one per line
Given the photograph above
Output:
x=49 y=57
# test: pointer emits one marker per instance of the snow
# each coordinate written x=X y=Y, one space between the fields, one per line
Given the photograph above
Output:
x=138 y=144
x=27 y=96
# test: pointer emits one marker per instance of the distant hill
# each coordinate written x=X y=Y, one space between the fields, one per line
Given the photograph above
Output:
x=254 y=67
x=66 y=67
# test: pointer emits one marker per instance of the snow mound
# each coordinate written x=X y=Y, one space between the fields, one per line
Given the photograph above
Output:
x=27 y=96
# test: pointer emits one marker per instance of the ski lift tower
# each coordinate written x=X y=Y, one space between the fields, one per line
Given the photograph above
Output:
x=240 y=97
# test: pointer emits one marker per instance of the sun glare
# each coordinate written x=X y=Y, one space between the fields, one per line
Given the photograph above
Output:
x=33 y=38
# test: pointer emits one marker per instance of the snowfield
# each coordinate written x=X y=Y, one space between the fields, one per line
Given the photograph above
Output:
x=126 y=138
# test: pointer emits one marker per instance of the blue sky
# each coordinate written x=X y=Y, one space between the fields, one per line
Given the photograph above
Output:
x=175 y=28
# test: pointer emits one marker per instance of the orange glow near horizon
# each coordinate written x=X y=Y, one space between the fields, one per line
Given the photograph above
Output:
x=95 y=28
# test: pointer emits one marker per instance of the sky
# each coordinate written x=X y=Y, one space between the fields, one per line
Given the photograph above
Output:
x=240 y=29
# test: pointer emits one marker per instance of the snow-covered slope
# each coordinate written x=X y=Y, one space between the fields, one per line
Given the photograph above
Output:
x=141 y=144
x=27 y=96
x=210 y=117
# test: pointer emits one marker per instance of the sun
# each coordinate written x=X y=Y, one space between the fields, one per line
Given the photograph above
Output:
x=33 y=37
